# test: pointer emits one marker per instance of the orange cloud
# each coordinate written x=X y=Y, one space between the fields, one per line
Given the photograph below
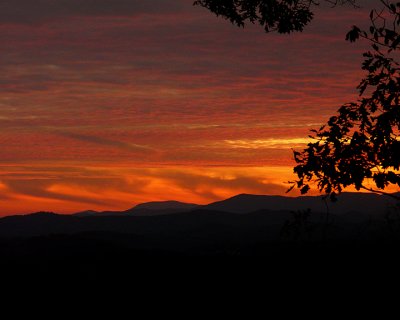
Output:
x=71 y=189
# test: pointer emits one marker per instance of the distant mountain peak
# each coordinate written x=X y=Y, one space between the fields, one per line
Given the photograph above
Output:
x=154 y=205
x=43 y=214
x=250 y=196
x=161 y=207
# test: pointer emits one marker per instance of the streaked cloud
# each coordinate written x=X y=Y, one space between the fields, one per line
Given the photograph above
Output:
x=41 y=11
x=267 y=143
x=107 y=103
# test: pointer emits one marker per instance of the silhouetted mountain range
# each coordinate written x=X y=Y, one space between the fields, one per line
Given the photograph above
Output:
x=242 y=225
x=172 y=216
x=145 y=209
x=366 y=203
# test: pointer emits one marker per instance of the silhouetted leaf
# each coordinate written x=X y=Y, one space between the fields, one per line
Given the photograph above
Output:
x=353 y=34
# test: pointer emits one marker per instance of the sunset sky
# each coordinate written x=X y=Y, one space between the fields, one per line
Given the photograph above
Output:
x=108 y=103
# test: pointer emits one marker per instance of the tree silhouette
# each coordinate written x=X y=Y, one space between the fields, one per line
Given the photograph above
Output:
x=283 y=16
x=361 y=144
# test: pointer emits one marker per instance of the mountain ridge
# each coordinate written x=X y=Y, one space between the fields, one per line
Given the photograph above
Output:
x=161 y=207
x=243 y=215
x=368 y=203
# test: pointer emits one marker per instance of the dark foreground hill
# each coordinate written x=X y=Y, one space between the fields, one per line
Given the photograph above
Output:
x=44 y=240
x=200 y=232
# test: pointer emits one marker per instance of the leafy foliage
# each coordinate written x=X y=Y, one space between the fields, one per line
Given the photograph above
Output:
x=362 y=142
x=283 y=16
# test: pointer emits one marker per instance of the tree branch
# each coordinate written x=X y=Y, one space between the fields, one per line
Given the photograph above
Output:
x=381 y=192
